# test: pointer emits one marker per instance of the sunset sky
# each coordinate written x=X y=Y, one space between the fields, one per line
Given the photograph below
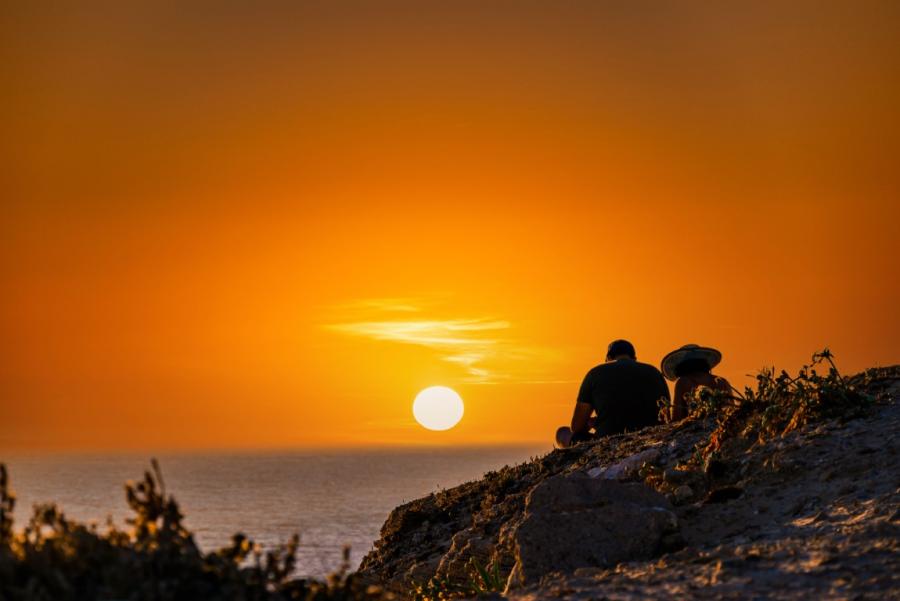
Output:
x=269 y=225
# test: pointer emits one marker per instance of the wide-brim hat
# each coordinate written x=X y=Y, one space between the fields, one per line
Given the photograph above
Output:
x=686 y=353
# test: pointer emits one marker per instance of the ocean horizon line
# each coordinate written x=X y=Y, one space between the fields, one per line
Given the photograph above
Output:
x=270 y=451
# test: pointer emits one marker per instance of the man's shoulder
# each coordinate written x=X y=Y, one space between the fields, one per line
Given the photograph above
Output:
x=602 y=368
x=646 y=367
x=623 y=366
x=626 y=364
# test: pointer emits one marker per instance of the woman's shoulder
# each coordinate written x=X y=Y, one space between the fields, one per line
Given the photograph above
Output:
x=686 y=384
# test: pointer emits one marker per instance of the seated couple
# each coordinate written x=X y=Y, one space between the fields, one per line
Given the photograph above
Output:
x=622 y=394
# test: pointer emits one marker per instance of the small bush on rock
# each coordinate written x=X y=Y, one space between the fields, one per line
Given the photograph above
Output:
x=780 y=404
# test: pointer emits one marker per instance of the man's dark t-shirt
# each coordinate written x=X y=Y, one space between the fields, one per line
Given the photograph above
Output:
x=624 y=394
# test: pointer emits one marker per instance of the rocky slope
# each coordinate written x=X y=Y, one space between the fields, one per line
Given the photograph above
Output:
x=813 y=513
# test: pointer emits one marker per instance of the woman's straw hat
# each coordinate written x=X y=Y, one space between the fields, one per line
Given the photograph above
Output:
x=689 y=351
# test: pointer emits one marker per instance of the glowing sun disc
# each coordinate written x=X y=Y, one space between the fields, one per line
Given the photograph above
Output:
x=438 y=408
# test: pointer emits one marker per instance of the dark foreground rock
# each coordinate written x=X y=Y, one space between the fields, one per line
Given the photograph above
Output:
x=811 y=514
x=575 y=520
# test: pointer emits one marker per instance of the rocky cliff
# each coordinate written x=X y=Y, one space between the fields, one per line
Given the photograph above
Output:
x=791 y=490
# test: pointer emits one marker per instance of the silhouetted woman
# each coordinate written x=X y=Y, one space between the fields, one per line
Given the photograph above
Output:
x=691 y=367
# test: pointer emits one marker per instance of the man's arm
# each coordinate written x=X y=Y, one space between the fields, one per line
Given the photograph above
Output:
x=581 y=418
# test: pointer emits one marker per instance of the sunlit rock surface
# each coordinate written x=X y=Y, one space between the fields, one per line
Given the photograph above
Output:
x=573 y=520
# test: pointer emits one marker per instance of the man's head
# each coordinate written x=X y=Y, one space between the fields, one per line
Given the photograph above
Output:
x=620 y=349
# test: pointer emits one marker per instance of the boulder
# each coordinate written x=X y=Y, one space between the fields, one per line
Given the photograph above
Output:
x=420 y=571
x=464 y=546
x=575 y=521
x=683 y=494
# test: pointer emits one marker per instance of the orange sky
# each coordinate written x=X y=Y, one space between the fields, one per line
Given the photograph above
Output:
x=270 y=226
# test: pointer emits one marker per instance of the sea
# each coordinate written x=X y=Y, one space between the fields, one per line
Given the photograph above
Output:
x=332 y=499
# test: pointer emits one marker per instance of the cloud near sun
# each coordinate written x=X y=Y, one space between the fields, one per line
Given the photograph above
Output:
x=470 y=343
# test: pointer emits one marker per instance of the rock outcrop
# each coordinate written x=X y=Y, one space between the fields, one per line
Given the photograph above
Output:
x=814 y=513
x=574 y=520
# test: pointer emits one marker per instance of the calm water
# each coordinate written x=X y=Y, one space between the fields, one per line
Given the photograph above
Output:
x=331 y=499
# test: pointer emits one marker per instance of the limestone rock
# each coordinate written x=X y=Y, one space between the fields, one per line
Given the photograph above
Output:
x=683 y=493
x=576 y=521
x=596 y=472
x=421 y=571
x=626 y=468
x=676 y=476
x=465 y=545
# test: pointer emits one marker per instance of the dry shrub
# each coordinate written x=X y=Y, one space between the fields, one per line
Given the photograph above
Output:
x=780 y=403
x=57 y=559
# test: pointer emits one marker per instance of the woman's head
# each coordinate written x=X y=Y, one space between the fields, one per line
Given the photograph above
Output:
x=692 y=366
x=688 y=359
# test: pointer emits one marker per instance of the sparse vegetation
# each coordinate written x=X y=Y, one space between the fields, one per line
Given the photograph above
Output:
x=486 y=579
x=780 y=404
x=156 y=558
x=437 y=587
x=483 y=580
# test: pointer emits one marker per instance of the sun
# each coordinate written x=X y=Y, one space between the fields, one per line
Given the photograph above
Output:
x=438 y=408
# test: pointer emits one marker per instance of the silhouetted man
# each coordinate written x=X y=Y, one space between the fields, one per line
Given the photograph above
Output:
x=622 y=392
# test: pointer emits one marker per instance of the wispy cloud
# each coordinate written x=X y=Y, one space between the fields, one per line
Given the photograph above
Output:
x=450 y=332
x=391 y=304
x=466 y=342
x=471 y=343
